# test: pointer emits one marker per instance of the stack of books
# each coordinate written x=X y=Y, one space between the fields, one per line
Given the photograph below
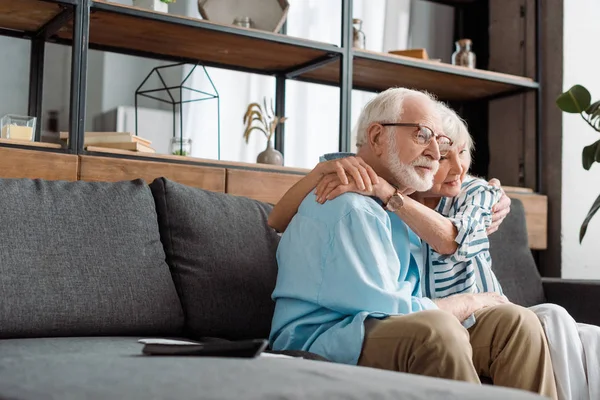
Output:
x=114 y=140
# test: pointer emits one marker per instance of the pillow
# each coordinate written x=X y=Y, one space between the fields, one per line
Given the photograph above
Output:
x=81 y=259
x=512 y=261
x=222 y=257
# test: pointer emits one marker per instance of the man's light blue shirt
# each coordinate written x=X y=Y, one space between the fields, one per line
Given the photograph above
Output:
x=340 y=263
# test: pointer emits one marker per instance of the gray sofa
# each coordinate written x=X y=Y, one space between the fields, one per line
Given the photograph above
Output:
x=87 y=269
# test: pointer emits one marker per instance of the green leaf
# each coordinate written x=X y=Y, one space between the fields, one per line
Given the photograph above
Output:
x=593 y=112
x=595 y=207
x=575 y=100
x=593 y=108
x=590 y=154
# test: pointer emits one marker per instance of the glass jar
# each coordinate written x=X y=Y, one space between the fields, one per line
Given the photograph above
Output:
x=181 y=146
x=18 y=127
x=360 y=39
x=244 y=22
x=463 y=55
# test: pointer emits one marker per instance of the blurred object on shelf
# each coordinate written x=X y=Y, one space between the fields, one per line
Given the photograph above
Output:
x=414 y=53
x=17 y=127
x=360 y=40
x=266 y=15
x=463 y=56
x=154 y=5
x=114 y=140
x=156 y=126
x=51 y=134
x=181 y=146
x=243 y=22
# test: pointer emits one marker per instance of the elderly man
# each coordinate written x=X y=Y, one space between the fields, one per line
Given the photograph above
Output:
x=348 y=286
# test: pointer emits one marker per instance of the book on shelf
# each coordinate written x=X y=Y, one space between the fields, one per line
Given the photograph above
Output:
x=131 y=146
x=98 y=138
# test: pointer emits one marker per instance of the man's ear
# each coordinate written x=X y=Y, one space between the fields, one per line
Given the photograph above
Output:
x=377 y=138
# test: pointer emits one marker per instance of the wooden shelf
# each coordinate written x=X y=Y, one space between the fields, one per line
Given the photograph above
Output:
x=28 y=15
x=30 y=144
x=134 y=31
x=378 y=71
x=96 y=150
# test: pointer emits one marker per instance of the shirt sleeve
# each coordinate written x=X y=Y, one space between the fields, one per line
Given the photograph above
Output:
x=472 y=216
x=361 y=270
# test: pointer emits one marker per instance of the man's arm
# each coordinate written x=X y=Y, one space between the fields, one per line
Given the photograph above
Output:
x=361 y=269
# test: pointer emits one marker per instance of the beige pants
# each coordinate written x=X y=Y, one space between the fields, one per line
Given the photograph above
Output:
x=507 y=344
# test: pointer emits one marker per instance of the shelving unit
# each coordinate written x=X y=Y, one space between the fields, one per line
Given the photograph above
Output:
x=39 y=21
x=377 y=71
x=102 y=25
x=134 y=31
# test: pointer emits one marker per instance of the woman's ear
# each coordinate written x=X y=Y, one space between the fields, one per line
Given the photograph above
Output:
x=376 y=138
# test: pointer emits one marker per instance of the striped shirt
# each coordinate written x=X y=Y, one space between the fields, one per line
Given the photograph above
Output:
x=469 y=269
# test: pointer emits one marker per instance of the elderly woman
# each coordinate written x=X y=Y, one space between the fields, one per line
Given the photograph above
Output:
x=454 y=219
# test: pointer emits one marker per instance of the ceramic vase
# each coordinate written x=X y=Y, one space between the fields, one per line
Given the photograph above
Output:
x=270 y=156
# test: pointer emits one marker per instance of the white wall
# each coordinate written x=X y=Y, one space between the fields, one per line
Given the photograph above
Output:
x=14 y=75
x=57 y=83
x=580 y=187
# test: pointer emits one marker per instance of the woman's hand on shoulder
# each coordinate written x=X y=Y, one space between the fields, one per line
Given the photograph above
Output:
x=500 y=210
x=331 y=187
x=352 y=167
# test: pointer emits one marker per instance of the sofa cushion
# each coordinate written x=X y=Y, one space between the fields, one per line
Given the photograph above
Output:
x=114 y=368
x=222 y=256
x=512 y=261
x=81 y=258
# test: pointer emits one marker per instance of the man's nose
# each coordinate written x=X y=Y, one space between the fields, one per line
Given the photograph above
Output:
x=433 y=150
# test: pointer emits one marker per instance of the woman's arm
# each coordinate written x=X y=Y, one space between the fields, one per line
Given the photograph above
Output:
x=472 y=217
x=287 y=207
x=435 y=229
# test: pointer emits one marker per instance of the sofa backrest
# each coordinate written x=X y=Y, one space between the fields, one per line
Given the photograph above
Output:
x=513 y=262
x=222 y=257
x=83 y=259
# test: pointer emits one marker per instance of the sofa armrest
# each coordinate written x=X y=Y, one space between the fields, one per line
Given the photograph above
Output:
x=581 y=298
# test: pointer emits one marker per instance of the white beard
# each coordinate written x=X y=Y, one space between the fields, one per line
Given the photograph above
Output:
x=408 y=175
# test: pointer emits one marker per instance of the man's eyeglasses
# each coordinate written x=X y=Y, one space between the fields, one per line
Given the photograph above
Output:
x=423 y=135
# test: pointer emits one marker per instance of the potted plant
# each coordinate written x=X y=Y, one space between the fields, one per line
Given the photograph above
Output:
x=264 y=120
x=578 y=100
x=154 y=5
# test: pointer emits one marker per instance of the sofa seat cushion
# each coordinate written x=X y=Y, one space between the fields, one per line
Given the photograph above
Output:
x=114 y=368
x=222 y=256
x=83 y=258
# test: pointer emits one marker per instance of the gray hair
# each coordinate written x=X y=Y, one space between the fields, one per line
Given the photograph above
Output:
x=385 y=107
x=455 y=127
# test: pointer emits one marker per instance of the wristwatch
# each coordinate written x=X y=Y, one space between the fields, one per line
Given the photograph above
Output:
x=395 y=202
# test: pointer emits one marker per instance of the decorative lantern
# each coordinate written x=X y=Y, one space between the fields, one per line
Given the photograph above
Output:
x=196 y=86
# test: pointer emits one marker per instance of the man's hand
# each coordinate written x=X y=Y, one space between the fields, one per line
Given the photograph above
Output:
x=500 y=210
x=350 y=167
x=463 y=305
